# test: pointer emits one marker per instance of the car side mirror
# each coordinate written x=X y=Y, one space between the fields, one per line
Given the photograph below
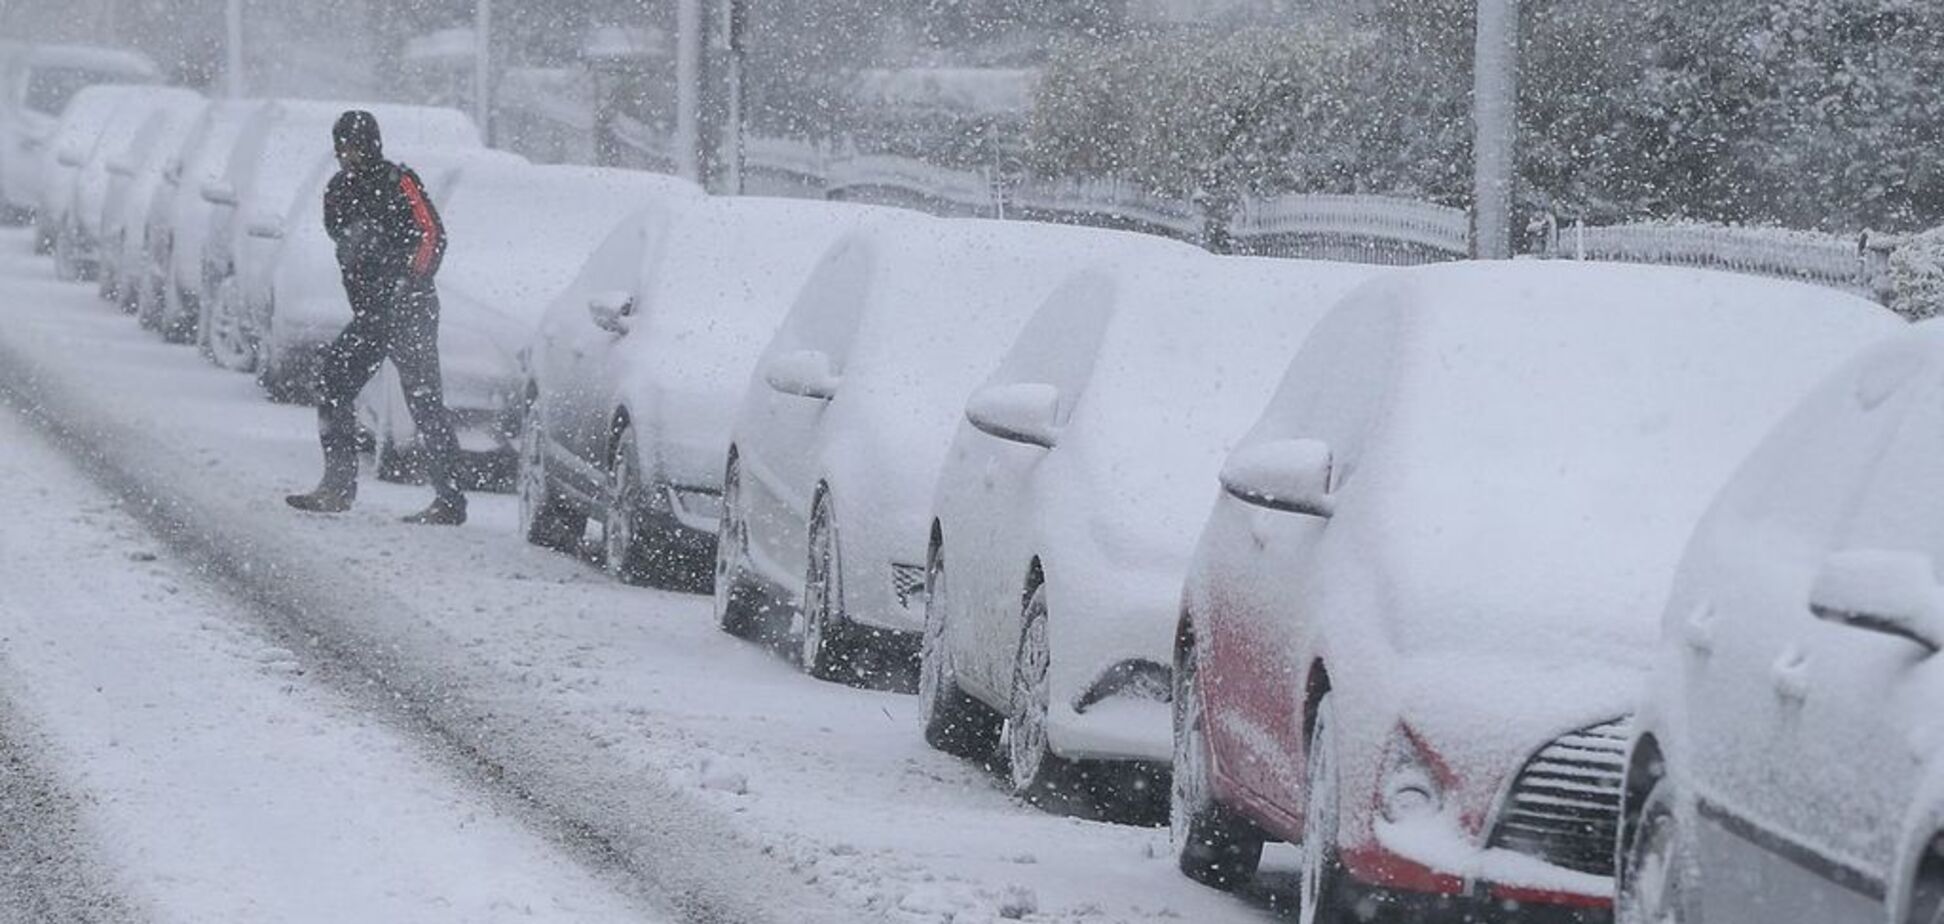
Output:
x=219 y=192
x=611 y=310
x=1021 y=412
x=1894 y=593
x=69 y=156
x=804 y=373
x=268 y=227
x=1292 y=476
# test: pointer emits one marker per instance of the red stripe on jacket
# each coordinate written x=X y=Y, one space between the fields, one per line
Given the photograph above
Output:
x=428 y=229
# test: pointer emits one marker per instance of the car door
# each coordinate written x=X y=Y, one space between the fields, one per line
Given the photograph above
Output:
x=1801 y=769
x=581 y=352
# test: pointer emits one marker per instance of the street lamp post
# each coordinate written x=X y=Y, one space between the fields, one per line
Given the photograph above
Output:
x=233 y=27
x=483 y=67
x=1495 y=117
x=689 y=47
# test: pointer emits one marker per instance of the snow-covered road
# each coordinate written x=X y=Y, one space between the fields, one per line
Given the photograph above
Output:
x=513 y=705
x=214 y=779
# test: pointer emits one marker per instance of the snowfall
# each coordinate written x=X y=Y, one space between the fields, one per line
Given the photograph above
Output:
x=213 y=708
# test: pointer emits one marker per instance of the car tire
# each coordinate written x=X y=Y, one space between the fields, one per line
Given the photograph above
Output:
x=1212 y=845
x=545 y=518
x=1656 y=876
x=226 y=338
x=629 y=559
x=1035 y=771
x=740 y=605
x=65 y=268
x=827 y=643
x=1324 y=892
x=955 y=722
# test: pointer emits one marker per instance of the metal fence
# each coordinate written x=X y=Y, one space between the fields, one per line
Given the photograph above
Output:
x=1855 y=264
x=1357 y=228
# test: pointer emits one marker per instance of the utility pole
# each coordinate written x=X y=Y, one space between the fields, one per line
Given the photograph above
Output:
x=1495 y=117
x=735 y=16
x=483 y=67
x=689 y=46
x=233 y=21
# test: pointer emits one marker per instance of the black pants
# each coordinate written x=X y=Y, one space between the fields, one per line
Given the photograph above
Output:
x=395 y=319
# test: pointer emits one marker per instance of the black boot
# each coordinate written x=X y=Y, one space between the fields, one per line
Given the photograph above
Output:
x=443 y=512
x=339 y=487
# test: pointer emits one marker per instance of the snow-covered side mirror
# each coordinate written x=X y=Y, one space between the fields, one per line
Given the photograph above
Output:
x=1895 y=593
x=69 y=156
x=610 y=311
x=804 y=373
x=1021 y=412
x=267 y=227
x=219 y=192
x=1292 y=476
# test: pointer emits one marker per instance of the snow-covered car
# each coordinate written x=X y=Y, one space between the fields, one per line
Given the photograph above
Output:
x=842 y=430
x=301 y=306
x=178 y=220
x=40 y=82
x=66 y=151
x=1425 y=602
x=1069 y=503
x=77 y=233
x=639 y=366
x=277 y=150
x=518 y=236
x=134 y=176
x=1788 y=762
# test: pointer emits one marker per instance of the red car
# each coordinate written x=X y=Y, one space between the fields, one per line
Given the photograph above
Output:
x=1423 y=606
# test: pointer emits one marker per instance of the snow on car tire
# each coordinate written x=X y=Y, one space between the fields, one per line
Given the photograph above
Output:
x=1324 y=895
x=1035 y=771
x=226 y=340
x=826 y=644
x=1212 y=846
x=545 y=520
x=628 y=559
x=1654 y=883
x=955 y=723
x=739 y=603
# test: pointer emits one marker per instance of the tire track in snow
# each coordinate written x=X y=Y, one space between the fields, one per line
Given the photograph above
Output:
x=365 y=641
x=48 y=869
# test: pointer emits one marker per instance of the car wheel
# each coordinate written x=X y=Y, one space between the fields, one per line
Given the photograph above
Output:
x=545 y=519
x=954 y=722
x=64 y=264
x=1212 y=846
x=1656 y=869
x=1324 y=893
x=627 y=557
x=181 y=315
x=826 y=645
x=225 y=339
x=739 y=604
x=1035 y=770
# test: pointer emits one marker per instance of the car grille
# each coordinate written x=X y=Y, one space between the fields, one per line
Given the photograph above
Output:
x=1564 y=807
x=908 y=583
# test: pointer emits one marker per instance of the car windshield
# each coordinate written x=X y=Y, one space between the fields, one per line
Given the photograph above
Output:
x=49 y=88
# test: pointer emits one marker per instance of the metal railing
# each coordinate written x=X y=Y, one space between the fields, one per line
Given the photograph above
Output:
x=1360 y=228
x=1856 y=264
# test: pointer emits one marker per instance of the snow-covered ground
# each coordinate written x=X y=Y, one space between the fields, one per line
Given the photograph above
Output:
x=370 y=719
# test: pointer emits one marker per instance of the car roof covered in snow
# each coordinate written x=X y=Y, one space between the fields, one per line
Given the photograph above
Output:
x=1522 y=448
x=121 y=62
x=519 y=234
x=1190 y=348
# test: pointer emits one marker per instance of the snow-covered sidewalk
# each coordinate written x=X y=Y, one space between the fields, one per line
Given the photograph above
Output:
x=214 y=780
x=696 y=762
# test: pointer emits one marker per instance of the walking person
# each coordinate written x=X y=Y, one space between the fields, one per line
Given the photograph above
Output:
x=389 y=244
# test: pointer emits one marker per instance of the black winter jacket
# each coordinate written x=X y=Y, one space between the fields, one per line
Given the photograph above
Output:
x=383 y=222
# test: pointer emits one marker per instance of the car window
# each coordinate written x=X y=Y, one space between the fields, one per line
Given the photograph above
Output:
x=1901 y=510
x=50 y=88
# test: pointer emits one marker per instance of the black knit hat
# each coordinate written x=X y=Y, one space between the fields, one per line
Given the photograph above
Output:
x=357 y=130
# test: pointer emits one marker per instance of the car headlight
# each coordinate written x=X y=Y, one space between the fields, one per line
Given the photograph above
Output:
x=1410 y=783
